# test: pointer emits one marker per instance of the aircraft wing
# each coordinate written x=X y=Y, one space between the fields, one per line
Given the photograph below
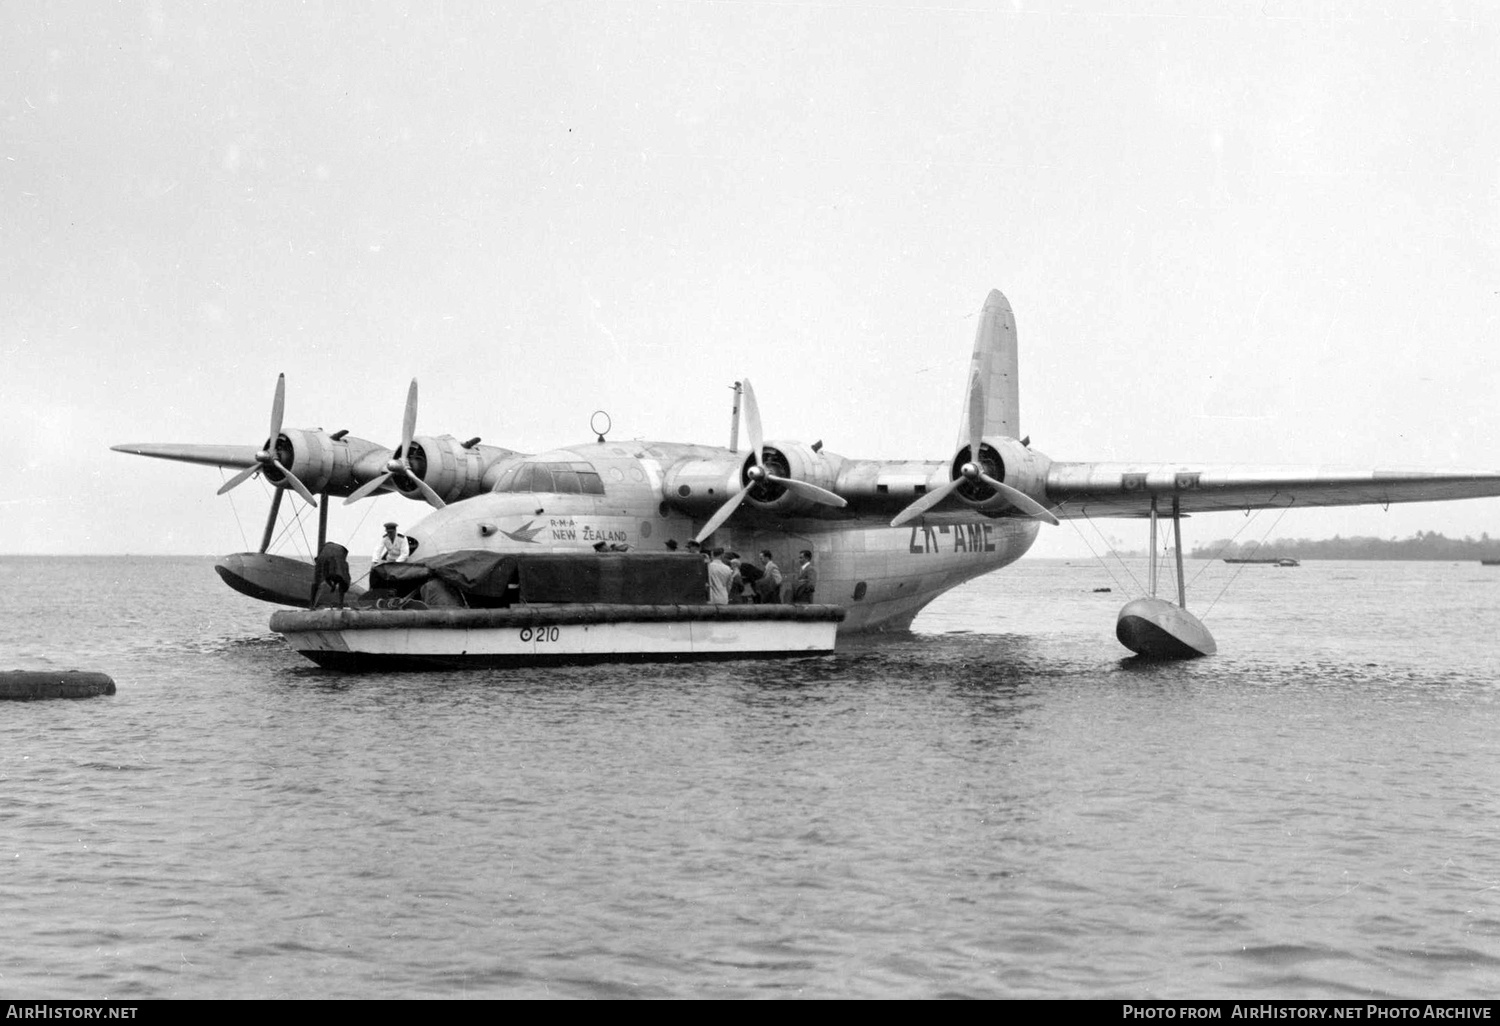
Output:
x=1126 y=489
x=207 y=455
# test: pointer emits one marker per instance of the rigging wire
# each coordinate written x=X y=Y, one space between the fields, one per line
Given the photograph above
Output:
x=302 y=530
x=286 y=529
x=1084 y=538
x=1218 y=553
x=1107 y=544
x=1242 y=566
x=369 y=508
x=235 y=510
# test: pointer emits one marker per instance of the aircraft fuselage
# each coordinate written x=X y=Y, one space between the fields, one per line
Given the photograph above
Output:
x=882 y=575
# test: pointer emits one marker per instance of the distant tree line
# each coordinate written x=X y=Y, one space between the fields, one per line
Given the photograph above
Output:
x=1422 y=545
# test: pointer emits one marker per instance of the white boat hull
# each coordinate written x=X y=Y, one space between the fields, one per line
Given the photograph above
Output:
x=358 y=639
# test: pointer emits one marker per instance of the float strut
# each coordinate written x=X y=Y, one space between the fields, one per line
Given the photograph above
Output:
x=1151 y=574
x=323 y=527
x=265 y=539
x=1177 y=543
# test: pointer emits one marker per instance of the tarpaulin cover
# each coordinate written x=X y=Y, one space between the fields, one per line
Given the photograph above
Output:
x=639 y=578
x=471 y=571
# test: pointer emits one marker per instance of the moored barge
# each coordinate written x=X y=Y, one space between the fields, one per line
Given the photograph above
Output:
x=489 y=609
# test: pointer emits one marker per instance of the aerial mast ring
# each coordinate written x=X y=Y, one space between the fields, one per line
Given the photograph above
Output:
x=594 y=424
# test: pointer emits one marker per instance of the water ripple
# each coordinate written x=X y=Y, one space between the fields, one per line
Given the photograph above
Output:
x=995 y=805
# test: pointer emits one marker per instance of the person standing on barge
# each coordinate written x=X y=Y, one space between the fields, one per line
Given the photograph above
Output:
x=806 y=584
x=719 y=575
x=768 y=588
x=392 y=547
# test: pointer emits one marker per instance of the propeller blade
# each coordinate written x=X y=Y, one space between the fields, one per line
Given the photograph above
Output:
x=1019 y=499
x=926 y=502
x=722 y=514
x=297 y=486
x=372 y=485
x=810 y=492
x=240 y=478
x=409 y=424
x=277 y=406
x=432 y=497
x=752 y=420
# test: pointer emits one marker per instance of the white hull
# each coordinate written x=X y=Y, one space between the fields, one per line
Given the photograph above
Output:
x=540 y=635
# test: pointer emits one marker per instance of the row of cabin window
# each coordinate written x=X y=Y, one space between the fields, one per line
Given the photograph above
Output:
x=564 y=478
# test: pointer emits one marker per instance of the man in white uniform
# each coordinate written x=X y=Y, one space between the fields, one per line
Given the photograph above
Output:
x=391 y=548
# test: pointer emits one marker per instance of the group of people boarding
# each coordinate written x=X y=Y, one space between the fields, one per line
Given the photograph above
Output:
x=733 y=581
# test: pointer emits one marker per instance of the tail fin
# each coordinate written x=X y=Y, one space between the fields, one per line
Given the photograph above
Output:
x=993 y=369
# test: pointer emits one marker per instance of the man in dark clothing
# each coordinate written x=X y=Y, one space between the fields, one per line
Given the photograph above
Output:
x=768 y=588
x=806 y=583
x=750 y=574
x=331 y=568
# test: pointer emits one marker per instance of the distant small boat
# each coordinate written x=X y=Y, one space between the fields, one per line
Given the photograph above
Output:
x=1286 y=561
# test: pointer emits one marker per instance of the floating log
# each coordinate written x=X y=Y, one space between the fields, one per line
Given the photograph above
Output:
x=24 y=685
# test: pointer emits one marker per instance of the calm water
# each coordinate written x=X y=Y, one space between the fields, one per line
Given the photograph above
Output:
x=996 y=805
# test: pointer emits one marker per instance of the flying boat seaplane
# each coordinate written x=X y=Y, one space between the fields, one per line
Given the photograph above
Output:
x=887 y=537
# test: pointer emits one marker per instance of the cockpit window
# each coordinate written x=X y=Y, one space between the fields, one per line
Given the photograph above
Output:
x=565 y=478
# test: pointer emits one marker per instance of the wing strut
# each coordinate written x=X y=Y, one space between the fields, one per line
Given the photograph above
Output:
x=1177 y=544
x=265 y=539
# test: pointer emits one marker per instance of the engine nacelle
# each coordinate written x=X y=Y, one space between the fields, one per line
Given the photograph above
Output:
x=791 y=460
x=1009 y=462
x=448 y=468
x=699 y=487
x=320 y=462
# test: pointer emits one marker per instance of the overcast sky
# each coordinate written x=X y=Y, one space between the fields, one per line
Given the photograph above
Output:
x=1263 y=234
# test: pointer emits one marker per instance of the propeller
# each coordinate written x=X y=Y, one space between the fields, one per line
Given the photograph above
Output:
x=398 y=463
x=758 y=474
x=973 y=471
x=265 y=459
